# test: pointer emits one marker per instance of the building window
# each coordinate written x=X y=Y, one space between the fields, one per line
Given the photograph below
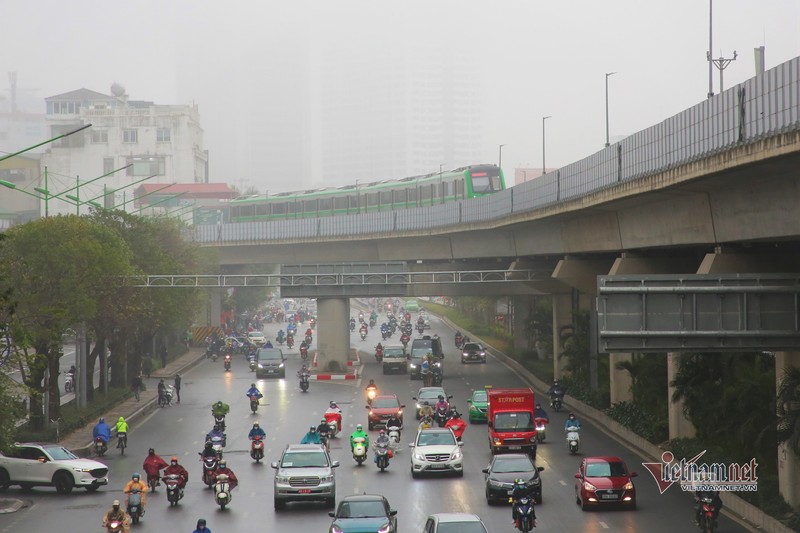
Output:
x=146 y=166
x=130 y=136
x=99 y=136
x=163 y=135
x=63 y=108
x=108 y=165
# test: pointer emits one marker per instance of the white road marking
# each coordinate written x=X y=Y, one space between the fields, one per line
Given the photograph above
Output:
x=179 y=420
x=603 y=525
x=562 y=482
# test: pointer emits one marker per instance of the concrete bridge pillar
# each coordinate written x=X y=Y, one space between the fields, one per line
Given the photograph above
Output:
x=788 y=463
x=214 y=309
x=333 y=334
x=620 y=380
x=562 y=316
x=679 y=425
x=522 y=313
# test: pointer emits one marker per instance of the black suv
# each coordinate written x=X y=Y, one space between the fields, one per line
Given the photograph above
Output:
x=419 y=349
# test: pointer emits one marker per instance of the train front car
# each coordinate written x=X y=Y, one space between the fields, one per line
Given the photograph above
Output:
x=482 y=180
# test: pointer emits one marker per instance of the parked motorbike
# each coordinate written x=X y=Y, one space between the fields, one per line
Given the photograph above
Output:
x=382 y=456
x=524 y=508
x=573 y=439
x=304 y=382
x=222 y=491
x=257 y=448
x=209 y=466
x=174 y=490
x=122 y=442
x=227 y=363
x=359 y=450
x=166 y=398
x=135 y=505
x=541 y=429
x=100 y=447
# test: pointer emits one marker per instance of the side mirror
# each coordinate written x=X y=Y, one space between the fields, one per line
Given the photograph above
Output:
x=460 y=443
x=489 y=423
x=413 y=397
x=469 y=401
x=410 y=444
x=450 y=397
x=367 y=406
x=335 y=464
x=274 y=464
x=332 y=514
x=402 y=406
x=578 y=475
x=540 y=468
x=634 y=474
x=393 y=512
x=485 y=470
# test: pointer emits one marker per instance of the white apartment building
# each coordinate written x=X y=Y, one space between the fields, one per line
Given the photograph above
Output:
x=162 y=141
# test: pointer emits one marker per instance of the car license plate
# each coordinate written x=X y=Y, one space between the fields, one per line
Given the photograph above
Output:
x=438 y=466
x=270 y=371
x=304 y=491
x=608 y=496
x=515 y=447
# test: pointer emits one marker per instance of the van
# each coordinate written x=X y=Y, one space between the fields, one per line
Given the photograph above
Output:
x=270 y=362
x=412 y=306
x=394 y=359
x=419 y=349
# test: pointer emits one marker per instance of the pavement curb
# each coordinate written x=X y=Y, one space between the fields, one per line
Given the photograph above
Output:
x=146 y=407
x=735 y=508
x=11 y=505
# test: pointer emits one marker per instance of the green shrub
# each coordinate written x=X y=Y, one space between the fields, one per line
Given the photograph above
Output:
x=655 y=429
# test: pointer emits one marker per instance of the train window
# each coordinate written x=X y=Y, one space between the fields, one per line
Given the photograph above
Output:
x=279 y=208
x=325 y=204
x=293 y=206
x=400 y=196
x=353 y=201
x=496 y=183
x=386 y=197
x=340 y=202
x=445 y=188
x=261 y=210
x=424 y=193
x=310 y=206
x=412 y=196
x=481 y=185
x=459 y=188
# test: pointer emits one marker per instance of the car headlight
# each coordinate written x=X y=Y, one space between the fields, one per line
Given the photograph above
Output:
x=483 y=354
x=326 y=479
x=412 y=365
x=628 y=486
x=260 y=365
x=457 y=455
x=280 y=365
x=464 y=354
x=82 y=469
x=588 y=486
x=385 y=528
x=336 y=529
x=495 y=483
x=419 y=456
x=418 y=406
x=282 y=479
x=400 y=412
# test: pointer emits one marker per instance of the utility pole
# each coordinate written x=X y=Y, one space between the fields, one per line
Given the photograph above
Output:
x=607 y=75
x=722 y=63
x=708 y=54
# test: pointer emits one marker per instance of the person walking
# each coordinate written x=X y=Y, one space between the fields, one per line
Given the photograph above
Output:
x=178 y=387
x=147 y=366
x=137 y=386
x=163 y=354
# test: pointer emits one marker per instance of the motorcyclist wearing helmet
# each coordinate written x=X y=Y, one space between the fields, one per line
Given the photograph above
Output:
x=442 y=403
x=117 y=514
x=372 y=386
x=220 y=409
x=359 y=432
x=334 y=412
x=253 y=391
x=257 y=430
x=556 y=390
x=572 y=422
x=716 y=501
x=175 y=468
x=425 y=410
x=381 y=442
x=201 y=527
x=153 y=464
x=312 y=437
x=323 y=429
x=136 y=483
x=520 y=490
x=101 y=430
x=208 y=450
x=222 y=468
x=217 y=432
x=539 y=412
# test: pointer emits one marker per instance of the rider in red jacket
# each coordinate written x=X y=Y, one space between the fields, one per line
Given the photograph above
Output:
x=153 y=464
x=175 y=468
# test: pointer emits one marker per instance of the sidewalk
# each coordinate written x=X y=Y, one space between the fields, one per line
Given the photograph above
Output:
x=80 y=441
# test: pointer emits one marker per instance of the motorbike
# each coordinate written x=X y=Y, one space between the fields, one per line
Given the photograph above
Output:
x=68 y=380
x=371 y=323
x=115 y=526
x=573 y=439
x=359 y=450
x=220 y=421
x=524 y=508
x=363 y=335
x=280 y=339
x=382 y=456
x=333 y=420
x=385 y=334
x=135 y=510
x=290 y=341
x=441 y=416
x=304 y=352
x=371 y=393
x=394 y=437
x=257 y=448
x=352 y=326
x=166 y=398
x=304 y=382
x=100 y=447
x=209 y=466
x=122 y=442
x=254 y=402
x=174 y=490
x=707 y=522
x=379 y=354
x=421 y=329
x=218 y=443
x=227 y=363
x=308 y=340
x=253 y=363
x=556 y=401
x=541 y=429
x=152 y=481
x=222 y=491
x=459 y=341
x=436 y=376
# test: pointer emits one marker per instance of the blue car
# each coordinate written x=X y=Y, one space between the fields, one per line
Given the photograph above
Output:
x=366 y=513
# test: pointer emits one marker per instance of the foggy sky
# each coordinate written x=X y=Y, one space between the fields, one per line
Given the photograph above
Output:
x=534 y=58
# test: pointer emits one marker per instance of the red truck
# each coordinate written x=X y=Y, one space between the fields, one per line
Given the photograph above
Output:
x=511 y=421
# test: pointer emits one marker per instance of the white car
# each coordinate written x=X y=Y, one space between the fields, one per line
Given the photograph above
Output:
x=257 y=338
x=31 y=464
x=436 y=450
x=454 y=523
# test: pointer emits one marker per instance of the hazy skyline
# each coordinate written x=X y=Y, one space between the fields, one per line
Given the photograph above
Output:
x=533 y=58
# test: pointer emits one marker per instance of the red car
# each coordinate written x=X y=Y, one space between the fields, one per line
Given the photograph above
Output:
x=382 y=408
x=604 y=481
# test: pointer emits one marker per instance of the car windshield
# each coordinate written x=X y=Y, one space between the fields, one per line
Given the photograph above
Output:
x=419 y=353
x=480 y=396
x=473 y=347
x=304 y=460
x=256 y=334
x=394 y=352
x=269 y=354
x=461 y=527
x=361 y=510
x=60 y=454
x=615 y=469
x=436 y=439
x=385 y=403
x=513 y=422
x=513 y=464
x=430 y=394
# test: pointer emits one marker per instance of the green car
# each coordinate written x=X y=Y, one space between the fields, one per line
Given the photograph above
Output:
x=364 y=513
x=478 y=406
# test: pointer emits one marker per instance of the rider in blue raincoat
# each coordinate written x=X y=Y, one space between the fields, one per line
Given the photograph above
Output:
x=312 y=437
x=102 y=430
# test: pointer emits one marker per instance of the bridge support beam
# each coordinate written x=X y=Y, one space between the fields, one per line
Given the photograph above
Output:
x=679 y=425
x=333 y=335
x=788 y=463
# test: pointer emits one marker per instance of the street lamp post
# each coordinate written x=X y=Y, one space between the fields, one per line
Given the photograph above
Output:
x=607 y=75
x=441 y=183
x=500 y=157
x=544 y=145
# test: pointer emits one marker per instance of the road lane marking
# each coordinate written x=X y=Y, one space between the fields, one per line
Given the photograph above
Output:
x=603 y=525
x=562 y=482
